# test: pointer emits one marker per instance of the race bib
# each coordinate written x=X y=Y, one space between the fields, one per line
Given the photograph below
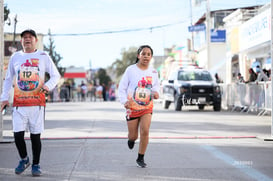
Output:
x=143 y=93
x=28 y=77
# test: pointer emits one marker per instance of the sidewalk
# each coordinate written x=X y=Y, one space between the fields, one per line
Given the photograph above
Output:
x=75 y=148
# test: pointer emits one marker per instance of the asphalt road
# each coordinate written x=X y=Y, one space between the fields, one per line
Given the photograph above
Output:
x=87 y=141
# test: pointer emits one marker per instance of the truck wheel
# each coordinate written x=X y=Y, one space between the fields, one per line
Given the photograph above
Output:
x=201 y=106
x=177 y=103
x=166 y=104
x=217 y=106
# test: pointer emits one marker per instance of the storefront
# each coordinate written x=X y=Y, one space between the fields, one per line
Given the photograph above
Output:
x=77 y=74
x=254 y=40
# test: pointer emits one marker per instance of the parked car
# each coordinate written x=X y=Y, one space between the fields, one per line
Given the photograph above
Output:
x=191 y=86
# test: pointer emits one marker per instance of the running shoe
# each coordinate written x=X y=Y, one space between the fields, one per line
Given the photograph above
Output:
x=23 y=164
x=131 y=144
x=141 y=163
x=36 y=171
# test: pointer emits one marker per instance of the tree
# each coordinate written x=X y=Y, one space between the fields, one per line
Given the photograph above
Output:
x=103 y=77
x=128 y=58
x=6 y=13
x=56 y=58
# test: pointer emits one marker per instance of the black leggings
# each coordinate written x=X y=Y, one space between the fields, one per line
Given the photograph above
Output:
x=22 y=149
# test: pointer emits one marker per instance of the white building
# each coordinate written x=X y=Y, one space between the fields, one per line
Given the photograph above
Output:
x=248 y=40
x=230 y=48
x=215 y=61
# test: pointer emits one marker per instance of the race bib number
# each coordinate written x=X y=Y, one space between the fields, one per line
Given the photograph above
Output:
x=142 y=96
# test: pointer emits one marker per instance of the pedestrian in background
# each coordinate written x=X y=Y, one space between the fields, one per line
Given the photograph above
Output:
x=28 y=67
x=261 y=75
x=217 y=78
x=137 y=89
x=267 y=73
x=99 y=90
x=252 y=76
x=241 y=90
x=93 y=93
x=83 y=91
x=104 y=92
x=240 y=78
x=64 y=93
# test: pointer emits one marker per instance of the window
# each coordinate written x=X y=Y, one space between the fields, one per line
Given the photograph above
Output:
x=191 y=75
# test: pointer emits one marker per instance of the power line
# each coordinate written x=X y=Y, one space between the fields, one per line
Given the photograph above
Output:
x=118 y=31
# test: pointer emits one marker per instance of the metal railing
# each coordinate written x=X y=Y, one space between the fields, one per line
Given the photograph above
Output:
x=251 y=97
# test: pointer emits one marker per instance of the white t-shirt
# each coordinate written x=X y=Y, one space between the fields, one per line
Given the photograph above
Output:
x=261 y=76
x=26 y=72
x=132 y=78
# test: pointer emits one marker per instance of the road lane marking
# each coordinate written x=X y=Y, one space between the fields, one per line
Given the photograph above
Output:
x=245 y=168
x=151 y=137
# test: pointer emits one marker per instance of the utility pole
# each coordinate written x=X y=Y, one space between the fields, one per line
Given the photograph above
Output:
x=14 y=32
x=192 y=41
x=271 y=67
x=1 y=60
x=208 y=34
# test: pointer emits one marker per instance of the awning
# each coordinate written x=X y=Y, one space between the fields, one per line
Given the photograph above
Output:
x=71 y=75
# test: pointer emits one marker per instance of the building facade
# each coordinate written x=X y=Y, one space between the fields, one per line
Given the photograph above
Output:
x=248 y=41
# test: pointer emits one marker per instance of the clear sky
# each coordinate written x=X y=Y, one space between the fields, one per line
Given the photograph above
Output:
x=93 y=16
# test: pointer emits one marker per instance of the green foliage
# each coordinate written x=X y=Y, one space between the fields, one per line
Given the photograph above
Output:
x=128 y=58
x=6 y=12
x=56 y=58
x=103 y=77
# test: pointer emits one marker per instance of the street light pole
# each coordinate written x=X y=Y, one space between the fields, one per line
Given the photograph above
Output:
x=192 y=38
